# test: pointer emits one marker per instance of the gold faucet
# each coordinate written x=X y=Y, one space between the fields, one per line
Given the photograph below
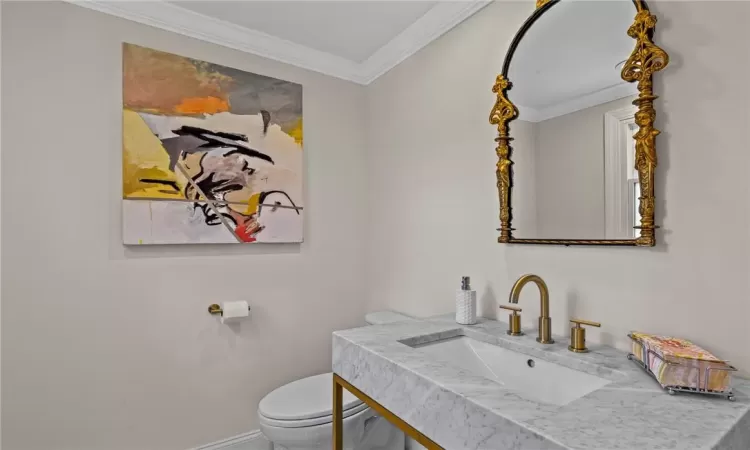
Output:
x=545 y=322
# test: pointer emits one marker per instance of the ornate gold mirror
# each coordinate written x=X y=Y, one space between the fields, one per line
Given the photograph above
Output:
x=577 y=165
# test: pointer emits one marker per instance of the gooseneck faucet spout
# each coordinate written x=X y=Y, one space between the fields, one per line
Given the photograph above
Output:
x=545 y=322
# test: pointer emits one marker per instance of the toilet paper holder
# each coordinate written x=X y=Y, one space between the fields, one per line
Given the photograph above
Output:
x=215 y=309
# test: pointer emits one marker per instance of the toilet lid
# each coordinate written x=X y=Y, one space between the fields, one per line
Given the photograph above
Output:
x=307 y=398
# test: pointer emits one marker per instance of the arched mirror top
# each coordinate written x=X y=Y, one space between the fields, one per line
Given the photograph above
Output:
x=572 y=68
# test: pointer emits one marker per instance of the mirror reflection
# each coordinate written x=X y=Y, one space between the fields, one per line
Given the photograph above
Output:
x=573 y=149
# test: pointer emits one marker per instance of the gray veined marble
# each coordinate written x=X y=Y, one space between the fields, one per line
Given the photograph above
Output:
x=461 y=410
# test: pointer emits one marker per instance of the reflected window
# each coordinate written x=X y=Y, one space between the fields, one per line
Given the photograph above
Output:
x=634 y=186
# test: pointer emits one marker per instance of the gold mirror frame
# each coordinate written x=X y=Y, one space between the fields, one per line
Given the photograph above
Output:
x=644 y=61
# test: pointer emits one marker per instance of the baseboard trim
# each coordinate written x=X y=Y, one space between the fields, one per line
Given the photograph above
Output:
x=250 y=436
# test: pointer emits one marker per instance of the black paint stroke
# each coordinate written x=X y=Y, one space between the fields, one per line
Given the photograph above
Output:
x=208 y=137
x=265 y=194
x=194 y=139
x=266 y=120
x=251 y=153
x=165 y=182
x=195 y=177
x=210 y=217
x=187 y=130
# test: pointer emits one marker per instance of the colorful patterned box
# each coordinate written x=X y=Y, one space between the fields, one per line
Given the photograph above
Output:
x=680 y=363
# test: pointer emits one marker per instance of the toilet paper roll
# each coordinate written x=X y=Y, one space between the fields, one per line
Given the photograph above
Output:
x=234 y=311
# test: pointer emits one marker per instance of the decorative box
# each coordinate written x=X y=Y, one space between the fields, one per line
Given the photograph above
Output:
x=681 y=366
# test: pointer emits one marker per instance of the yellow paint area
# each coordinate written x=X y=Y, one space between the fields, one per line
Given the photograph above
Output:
x=144 y=158
x=238 y=199
x=252 y=205
x=296 y=131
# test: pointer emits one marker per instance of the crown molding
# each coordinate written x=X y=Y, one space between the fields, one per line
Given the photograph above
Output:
x=440 y=19
x=167 y=16
x=170 y=17
x=612 y=93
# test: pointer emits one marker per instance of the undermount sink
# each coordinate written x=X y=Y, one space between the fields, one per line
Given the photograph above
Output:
x=531 y=377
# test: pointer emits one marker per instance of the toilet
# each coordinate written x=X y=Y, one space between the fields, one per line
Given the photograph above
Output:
x=298 y=415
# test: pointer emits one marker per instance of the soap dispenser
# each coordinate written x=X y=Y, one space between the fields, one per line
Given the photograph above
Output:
x=466 y=303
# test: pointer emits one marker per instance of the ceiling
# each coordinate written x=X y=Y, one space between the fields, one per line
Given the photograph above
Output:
x=336 y=27
x=571 y=58
x=354 y=40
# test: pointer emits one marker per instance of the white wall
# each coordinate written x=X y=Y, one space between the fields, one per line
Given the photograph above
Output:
x=433 y=153
x=106 y=347
x=524 y=157
x=569 y=174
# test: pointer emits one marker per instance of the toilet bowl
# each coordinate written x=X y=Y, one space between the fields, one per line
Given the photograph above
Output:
x=298 y=415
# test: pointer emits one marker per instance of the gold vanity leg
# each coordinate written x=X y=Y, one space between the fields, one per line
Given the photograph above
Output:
x=338 y=420
x=399 y=423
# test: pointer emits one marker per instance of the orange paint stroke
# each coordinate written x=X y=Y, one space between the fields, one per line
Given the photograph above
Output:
x=202 y=105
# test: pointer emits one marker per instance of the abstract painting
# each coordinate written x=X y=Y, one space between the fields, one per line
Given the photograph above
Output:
x=211 y=154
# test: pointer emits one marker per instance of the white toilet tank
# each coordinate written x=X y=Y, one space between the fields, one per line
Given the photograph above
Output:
x=298 y=415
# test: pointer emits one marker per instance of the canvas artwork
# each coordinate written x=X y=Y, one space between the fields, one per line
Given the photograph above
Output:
x=211 y=154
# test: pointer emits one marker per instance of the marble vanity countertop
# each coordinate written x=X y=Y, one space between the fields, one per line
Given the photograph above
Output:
x=461 y=410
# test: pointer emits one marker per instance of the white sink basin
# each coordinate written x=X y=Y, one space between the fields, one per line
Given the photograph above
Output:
x=531 y=377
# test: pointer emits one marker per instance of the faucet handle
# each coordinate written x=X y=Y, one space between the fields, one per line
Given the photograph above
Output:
x=514 y=320
x=511 y=308
x=578 y=335
x=580 y=322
